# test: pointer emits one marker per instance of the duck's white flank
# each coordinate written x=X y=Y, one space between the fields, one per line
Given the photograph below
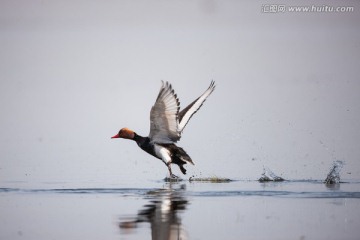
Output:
x=163 y=153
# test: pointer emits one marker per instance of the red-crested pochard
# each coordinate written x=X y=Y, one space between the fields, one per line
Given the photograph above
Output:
x=167 y=123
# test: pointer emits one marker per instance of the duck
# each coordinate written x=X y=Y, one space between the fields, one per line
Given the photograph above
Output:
x=167 y=123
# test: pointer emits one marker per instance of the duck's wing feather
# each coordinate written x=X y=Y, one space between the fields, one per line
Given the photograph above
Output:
x=189 y=111
x=164 y=116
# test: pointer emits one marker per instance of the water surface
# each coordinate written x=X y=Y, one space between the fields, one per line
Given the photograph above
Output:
x=305 y=209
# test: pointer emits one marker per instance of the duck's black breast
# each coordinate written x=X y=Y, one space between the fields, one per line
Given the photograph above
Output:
x=144 y=144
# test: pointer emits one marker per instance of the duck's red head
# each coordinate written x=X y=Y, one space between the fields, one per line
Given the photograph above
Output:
x=125 y=133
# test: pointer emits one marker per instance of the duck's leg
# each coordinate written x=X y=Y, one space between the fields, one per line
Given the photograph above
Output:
x=171 y=174
x=165 y=155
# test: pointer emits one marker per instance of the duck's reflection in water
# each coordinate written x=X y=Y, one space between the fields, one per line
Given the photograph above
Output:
x=162 y=212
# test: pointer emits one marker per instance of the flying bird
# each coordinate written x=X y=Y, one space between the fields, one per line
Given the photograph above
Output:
x=167 y=123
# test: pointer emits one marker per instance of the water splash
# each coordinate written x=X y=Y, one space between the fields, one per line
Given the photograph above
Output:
x=212 y=179
x=333 y=176
x=269 y=175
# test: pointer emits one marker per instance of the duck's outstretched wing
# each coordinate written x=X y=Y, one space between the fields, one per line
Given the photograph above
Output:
x=164 y=116
x=189 y=111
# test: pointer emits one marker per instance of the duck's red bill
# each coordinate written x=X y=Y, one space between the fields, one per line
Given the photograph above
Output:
x=116 y=136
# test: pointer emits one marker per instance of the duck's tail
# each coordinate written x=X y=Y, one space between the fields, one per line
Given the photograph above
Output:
x=180 y=158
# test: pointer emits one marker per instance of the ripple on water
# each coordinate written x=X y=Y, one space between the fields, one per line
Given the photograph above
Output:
x=289 y=189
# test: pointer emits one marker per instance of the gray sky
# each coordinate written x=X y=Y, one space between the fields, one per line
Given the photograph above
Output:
x=72 y=73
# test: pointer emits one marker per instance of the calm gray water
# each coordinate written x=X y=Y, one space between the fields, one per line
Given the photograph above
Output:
x=306 y=209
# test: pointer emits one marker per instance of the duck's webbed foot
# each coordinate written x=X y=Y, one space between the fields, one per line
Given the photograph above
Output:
x=173 y=176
